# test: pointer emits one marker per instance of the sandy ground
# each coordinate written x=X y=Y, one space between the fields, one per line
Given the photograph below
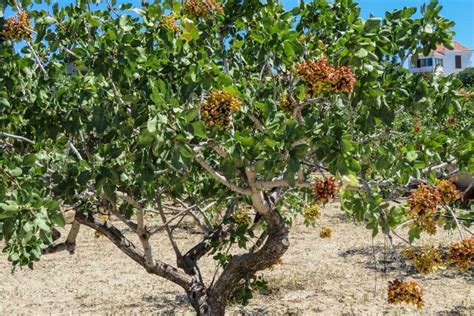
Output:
x=318 y=276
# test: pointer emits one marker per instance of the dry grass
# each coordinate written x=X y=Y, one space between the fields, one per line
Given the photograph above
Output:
x=326 y=276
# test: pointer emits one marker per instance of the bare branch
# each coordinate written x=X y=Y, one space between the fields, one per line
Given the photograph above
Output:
x=455 y=220
x=144 y=236
x=7 y=135
x=132 y=225
x=256 y=121
x=299 y=142
x=182 y=212
x=167 y=228
x=69 y=244
x=277 y=183
x=130 y=200
x=74 y=150
x=259 y=242
x=220 y=177
x=113 y=234
x=37 y=58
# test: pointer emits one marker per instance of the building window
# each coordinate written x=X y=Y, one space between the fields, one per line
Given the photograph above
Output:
x=458 y=61
x=439 y=62
x=423 y=62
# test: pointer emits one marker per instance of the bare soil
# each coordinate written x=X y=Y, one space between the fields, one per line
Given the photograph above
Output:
x=332 y=276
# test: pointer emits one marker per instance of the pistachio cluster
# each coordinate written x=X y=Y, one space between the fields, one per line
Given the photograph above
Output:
x=451 y=121
x=302 y=38
x=326 y=232
x=466 y=95
x=285 y=104
x=408 y=292
x=416 y=125
x=423 y=203
x=426 y=260
x=202 y=8
x=218 y=108
x=311 y=213
x=448 y=191
x=169 y=23
x=326 y=189
x=461 y=253
x=241 y=216
x=18 y=27
x=320 y=77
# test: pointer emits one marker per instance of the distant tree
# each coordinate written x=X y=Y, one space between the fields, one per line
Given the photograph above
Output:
x=227 y=109
x=467 y=77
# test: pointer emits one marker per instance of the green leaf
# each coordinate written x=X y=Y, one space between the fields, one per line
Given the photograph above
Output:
x=412 y=155
x=151 y=125
x=50 y=20
x=289 y=51
x=361 y=53
x=57 y=218
x=4 y=103
x=109 y=190
x=199 y=129
x=16 y=172
x=413 y=234
x=42 y=224
x=9 y=206
x=190 y=115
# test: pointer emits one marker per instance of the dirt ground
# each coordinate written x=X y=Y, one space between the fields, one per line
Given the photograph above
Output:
x=318 y=276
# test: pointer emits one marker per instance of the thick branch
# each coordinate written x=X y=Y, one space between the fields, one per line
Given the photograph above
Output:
x=144 y=236
x=114 y=235
x=278 y=183
x=193 y=255
x=220 y=177
x=69 y=244
x=246 y=264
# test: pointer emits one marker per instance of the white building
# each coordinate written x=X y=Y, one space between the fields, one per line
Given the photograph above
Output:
x=444 y=60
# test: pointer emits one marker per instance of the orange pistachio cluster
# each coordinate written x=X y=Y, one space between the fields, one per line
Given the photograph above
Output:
x=202 y=8
x=423 y=203
x=326 y=232
x=18 y=27
x=218 y=108
x=408 y=292
x=319 y=77
x=169 y=23
x=461 y=253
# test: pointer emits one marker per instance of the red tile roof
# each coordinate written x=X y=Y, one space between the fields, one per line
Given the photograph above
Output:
x=456 y=46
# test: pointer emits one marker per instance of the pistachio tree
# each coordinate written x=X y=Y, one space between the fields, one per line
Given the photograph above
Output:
x=223 y=108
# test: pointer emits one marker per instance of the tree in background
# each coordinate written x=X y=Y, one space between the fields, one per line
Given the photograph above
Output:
x=229 y=109
x=467 y=77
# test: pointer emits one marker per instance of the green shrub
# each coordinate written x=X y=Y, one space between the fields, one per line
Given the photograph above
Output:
x=467 y=77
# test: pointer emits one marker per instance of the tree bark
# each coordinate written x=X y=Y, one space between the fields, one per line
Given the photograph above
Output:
x=249 y=263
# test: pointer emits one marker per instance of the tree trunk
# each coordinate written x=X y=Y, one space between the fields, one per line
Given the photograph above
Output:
x=206 y=305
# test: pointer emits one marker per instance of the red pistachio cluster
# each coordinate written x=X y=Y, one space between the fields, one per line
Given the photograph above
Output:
x=326 y=189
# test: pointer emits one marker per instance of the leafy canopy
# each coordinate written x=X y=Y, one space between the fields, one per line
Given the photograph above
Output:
x=185 y=99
